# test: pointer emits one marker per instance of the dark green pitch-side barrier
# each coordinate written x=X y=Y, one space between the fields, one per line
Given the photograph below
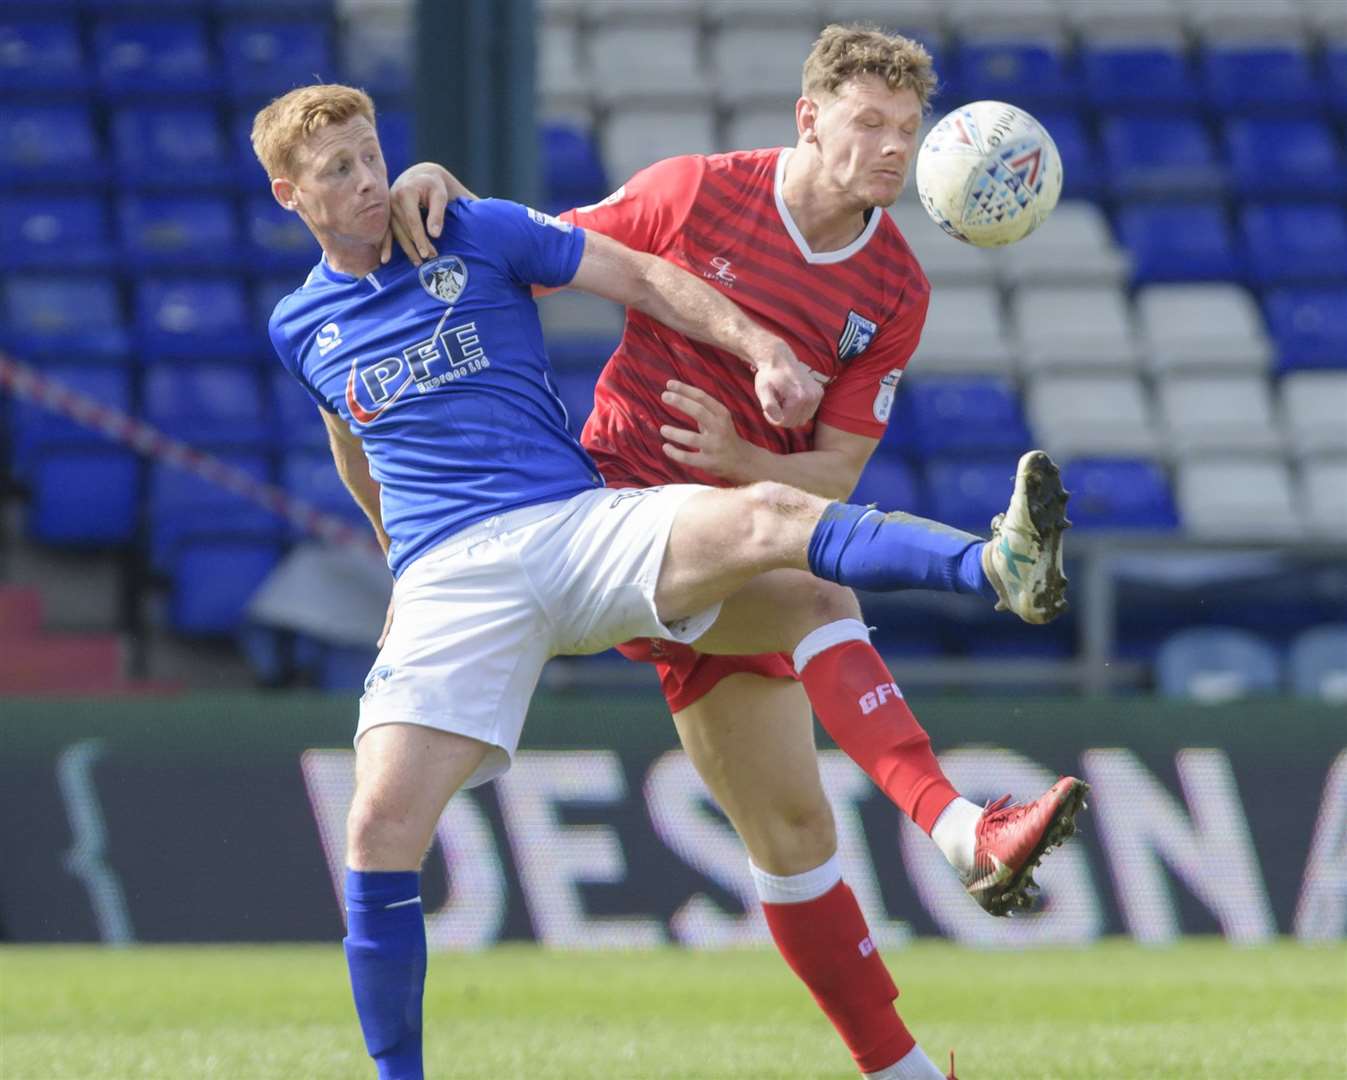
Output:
x=221 y=817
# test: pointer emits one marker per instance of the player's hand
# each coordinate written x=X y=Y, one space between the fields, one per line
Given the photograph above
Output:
x=422 y=187
x=715 y=445
x=388 y=624
x=787 y=390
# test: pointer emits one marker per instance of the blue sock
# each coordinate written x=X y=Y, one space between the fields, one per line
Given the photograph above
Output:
x=864 y=548
x=386 y=952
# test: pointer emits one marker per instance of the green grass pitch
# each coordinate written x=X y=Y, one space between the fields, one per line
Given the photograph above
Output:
x=1201 y=1009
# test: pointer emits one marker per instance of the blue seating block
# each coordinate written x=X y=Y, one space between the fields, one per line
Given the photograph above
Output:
x=1179 y=242
x=396 y=138
x=248 y=172
x=1119 y=494
x=1216 y=664
x=1032 y=74
x=36 y=430
x=154 y=58
x=183 y=507
x=968 y=494
x=84 y=496
x=278 y=239
x=1296 y=156
x=298 y=425
x=265 y=59
x=1267 y=78
x=66 y=317
x=49 y=146
x=212 y=404
x=1082 y=175
x=965 y=415
x=890 y=484
x=213 y=580
x=571 y=167
x=196 y=319
x=1289 y=243
x=179 y=232
x=1161 y=157
x=56 y=232
x=1139 y=76
x=172 y=148
x=1335 y=78
x=41 y=56
x=311 y=476
x=1308 y=326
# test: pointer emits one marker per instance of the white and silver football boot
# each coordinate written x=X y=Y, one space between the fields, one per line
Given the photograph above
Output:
x=1023 y=559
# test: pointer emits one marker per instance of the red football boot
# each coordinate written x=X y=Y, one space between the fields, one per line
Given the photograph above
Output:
x=1011 y=840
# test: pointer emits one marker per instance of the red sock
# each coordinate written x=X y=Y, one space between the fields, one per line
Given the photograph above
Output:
x=861 y=707
x=827 y=944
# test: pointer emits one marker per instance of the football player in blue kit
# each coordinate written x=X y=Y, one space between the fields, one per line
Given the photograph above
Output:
x=506 y=547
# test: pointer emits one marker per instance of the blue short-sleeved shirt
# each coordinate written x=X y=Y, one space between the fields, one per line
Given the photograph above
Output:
x=441 y=371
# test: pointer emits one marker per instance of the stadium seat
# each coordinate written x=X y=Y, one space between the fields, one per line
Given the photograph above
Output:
x=1317 y=664
x=1082 y=172
x=637 y=137
x=278 y=240
x=377 y=47
x=1324 y=482
x=41 y=56
x=1205 y=413
x=1138 y=75
x=84 y=496
x=36 y=430
x=1119 y=493
x=965 y=332
x=249 y=175
x=163 y=57
x=56 y=232
x=890 y=484
x=645 y=62
x=1226 y=21
x=265 y=295
x=171 y=148
x=1073 y=247
x=966 y=416
x=760 y=63
x=314 y=9
x=195 y=319
x=1151 y=156
x=581 y=330
x=212 y=404
x=49 y=146
x=1314 y=412
x=919 y=18
x=183 y=508
x=1202 y=327
x=968 y=494
x=1271 y=157
x=1092 y=415
x=396 y=139
x=1039 y=20
x=945 y=261
x=1260 y=77
x=179 y=232
x=1217 y=664
x=213 y=580
x=1238 y=498
x=1179 y=242
x=1308 y=326
x=343 y=669
x=1032 y=73
x=311 y=476
x=576 y=390
x=1137 y=21
x=1335 y=72
x=66 y=317
x=264 y=59
x=562 y=82
x=1297 y=242
x=298 y=424
x=572 y=171
x=1089 y=328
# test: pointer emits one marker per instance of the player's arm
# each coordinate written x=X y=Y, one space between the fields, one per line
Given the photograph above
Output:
x=831 y=469
x=353 y=468
x=785 y=387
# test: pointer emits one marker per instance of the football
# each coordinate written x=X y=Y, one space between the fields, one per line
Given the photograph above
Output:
x=988 y=174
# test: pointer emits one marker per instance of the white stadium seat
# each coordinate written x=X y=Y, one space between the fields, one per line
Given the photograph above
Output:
x=563 y=89
x=1084 y=415
x=776 y=12
x=1137 y=20
x=1314 y=412
x=1230 y=413
x=647 y=62
x=1204 y=327
x=604 y=12
x=1324 y=483
x=760 y=64
x=1230 y=20
x=905 y=16
x=634 y=138
x=754 y=126
x=964 y=332
x=1085 y=329
x=1017 y=20
x=1238 y=498
x=570 y=313
x=1073 y=247
x=946 y=261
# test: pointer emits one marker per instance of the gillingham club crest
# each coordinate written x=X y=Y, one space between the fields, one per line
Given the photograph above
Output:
x=856 y=336
x=444 y=278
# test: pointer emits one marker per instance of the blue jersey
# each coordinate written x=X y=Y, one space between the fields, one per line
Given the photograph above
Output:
x=441 y=372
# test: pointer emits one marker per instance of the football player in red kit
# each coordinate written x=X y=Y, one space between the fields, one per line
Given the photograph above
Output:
x=799 y=239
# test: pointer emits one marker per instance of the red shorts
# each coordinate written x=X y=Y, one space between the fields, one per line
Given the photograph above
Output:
x=687 y=676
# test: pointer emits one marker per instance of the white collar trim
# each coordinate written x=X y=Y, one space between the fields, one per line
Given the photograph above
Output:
x=811 y=256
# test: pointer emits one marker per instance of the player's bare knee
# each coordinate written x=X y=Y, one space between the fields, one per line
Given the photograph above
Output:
x=380 y=835
x=768 y=506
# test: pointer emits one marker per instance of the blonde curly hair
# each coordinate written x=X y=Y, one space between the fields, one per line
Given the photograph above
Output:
x=842 y=53
x=281 y=127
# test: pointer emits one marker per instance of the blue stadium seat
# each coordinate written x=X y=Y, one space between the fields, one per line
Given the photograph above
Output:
x=1081 y=166
x=84 y=496
x=196 y=319
x=344 y=668
x=576 y=390
x=1289 y=243
x=266 y=294
x=56 y=232
x=37 y=430
x=1335 y=78
x=1179 y=242
x=1266 y=78
x=891 y=484
x=183 y=507
x=298 y=424
x=154 y=57
x=1139 y=76
x=966 y=415
x=310 y=475
x=968 y=494
x=900 y=437
x=1215 y=664
x=264 y=59
x=1308 y=326
x=217 y=405
x=49 y=146
x=213 y=580
x=396 y=130
x=41 y=56
x=572 y=169
x=316 y=9
x=1161 y=156
x=1296 y=156
x=1032 y=74
x=1002 y=640
x=278 y=239
x=154 y=7
x=63 y=318
x=1318 y=663
x=1119 y=494
x=174 y=148
x=179 y=232
x=248 y=172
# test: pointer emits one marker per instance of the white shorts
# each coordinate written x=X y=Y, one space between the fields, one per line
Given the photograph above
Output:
x=476 y=618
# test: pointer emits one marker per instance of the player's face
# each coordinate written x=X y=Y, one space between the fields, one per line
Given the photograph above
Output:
x=341 y=185
x=867 y=138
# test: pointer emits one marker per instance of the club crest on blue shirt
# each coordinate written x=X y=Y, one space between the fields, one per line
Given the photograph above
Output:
x=856 y=336
x=444 y=277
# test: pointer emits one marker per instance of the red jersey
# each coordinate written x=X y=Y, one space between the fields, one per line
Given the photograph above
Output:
x=853 y=315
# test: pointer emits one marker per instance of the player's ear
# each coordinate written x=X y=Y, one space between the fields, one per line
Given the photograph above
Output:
x=283 y=191
x=806 y=118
